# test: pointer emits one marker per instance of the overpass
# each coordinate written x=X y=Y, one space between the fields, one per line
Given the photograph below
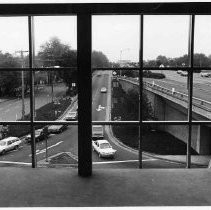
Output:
x=170 y=105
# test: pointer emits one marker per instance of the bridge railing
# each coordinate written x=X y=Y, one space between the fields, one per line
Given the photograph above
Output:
x=206 y=105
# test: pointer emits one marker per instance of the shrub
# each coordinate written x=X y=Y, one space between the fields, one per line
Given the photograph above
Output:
x=149 y=74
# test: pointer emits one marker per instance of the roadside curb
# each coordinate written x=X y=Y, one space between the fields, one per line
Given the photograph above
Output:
x=43 y=163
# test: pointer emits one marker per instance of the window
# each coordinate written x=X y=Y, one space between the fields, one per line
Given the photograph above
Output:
x=83 y=78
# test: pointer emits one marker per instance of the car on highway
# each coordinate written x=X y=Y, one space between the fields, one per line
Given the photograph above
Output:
x=103 y=90
x=184 y=73
x=103 y=148
x=9 y=143
x=71 y=116
x=55 y=129
x=179 y=71
x=205 y=74
x=39 y=135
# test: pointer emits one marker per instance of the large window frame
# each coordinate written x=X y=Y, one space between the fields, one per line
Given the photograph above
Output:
x=84 y=14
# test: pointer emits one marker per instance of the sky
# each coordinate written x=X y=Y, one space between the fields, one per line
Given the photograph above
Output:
x=116 y=36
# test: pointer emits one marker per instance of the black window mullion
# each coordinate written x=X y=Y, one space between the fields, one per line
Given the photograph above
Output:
x=31 y=65
x=141 y=89
x=190 y=88
x=84 y=94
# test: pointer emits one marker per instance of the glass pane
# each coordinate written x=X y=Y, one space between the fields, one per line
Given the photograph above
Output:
x=56 y=95
x=116 y=43
x=165 y=95
x=14 y=152
x=115 y=96
x=62 y=147
x=202 y=41
x=14 y=42
x=15 y=103
x=113 y=146
x=165 y=40
x=167 y=145
x=55 y=41
x=201 y=95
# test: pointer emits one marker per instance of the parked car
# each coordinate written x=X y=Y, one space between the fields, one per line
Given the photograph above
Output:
x=39 y=134
x=103 y=148
x=103 y=90
x=71 y=116
x=56 y=129
x=9 y=143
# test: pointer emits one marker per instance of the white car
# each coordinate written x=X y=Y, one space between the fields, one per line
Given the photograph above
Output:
x=9 y=143
x=184 y=73
x=103 y=90
x=103 y=148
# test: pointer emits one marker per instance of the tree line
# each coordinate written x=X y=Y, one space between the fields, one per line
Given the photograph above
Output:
x=52 y=53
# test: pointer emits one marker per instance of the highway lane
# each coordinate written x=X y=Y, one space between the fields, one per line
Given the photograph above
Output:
x=201 y=85
x=100 y=99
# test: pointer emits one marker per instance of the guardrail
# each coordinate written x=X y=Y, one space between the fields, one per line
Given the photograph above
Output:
x=206 y=105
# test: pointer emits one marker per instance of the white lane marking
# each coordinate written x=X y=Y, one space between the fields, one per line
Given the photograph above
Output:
x=44 y=150
x=100 y=108
x=20 y=163
x=123 y=161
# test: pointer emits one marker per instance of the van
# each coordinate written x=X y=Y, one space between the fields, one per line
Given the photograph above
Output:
x=97 y=131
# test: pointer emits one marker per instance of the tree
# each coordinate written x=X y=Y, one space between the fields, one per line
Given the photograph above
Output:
x=7 y=78
x=161 y=60
x=99 y=60
x=131 y=104
x=55 y=53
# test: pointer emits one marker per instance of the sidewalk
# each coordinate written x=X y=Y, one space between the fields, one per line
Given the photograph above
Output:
x=201 y=160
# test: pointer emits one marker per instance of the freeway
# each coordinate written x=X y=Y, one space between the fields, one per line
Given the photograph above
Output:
x=201 y=85
x=67 y=141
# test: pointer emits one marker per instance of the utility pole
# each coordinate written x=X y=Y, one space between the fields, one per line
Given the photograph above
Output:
x=22 y=80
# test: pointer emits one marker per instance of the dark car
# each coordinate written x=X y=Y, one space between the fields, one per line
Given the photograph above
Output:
x=39 y=134
x=56 y=128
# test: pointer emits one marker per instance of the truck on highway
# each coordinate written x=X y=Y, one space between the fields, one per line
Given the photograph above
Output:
x=97 y=131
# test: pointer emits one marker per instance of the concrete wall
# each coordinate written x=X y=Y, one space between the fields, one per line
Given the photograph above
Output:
x=166 y=110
